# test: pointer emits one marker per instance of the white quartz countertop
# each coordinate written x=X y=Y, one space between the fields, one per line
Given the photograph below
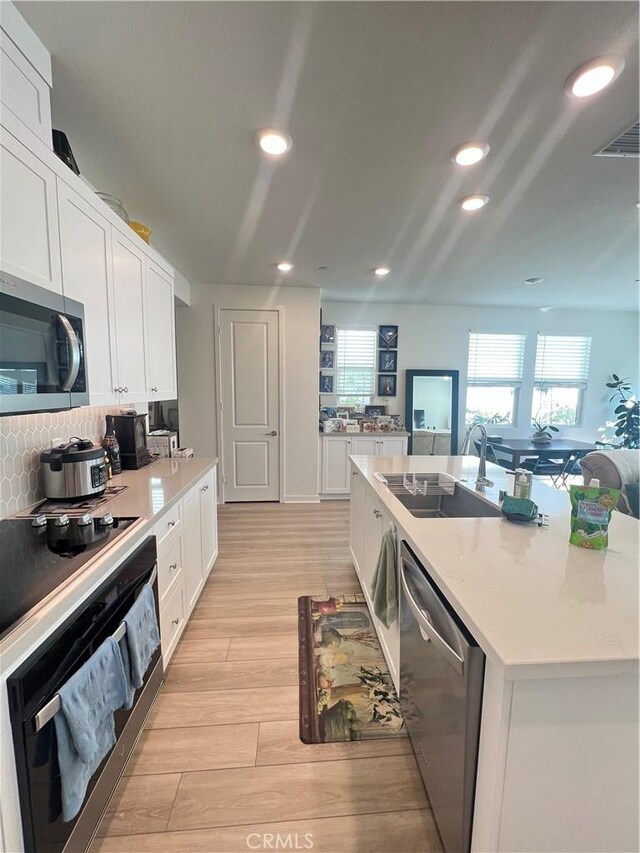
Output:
x=151 y=491
x=537 y=605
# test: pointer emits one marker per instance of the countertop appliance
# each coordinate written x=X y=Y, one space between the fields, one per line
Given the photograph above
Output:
x=74 y=470
x=42 y=349
x=39 y=555
x=34 y=702
x=131 y=432
x=441 y=682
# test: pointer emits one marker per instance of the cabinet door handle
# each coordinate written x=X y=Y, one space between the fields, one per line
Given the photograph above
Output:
x=171 y=523
x=173 y=567
x=377 y=513
x=155 y=388
x=118 y=390
x=125 y=389
x=175 y=621
x=204 y=488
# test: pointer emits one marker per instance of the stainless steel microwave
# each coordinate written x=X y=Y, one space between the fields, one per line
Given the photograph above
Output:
x=42 y=349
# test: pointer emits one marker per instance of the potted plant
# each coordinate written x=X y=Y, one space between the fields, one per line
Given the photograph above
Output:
x=542 y=432
x=627 y=412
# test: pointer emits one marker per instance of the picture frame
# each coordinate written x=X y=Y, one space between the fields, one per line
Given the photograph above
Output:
x=375 y=411
x=326 y=383
x=327 y=359
x=388 y=337
x=327 y=333
x=387 y=361
x=387 y=385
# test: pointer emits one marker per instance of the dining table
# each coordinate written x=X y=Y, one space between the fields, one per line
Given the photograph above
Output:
x=558 y=448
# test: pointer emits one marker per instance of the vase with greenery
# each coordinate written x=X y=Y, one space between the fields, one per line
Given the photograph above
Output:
x=627 y=412
x=542 y=432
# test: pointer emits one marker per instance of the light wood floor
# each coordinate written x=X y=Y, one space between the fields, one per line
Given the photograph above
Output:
x=220 y=767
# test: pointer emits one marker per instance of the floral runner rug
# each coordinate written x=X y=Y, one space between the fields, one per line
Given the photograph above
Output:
x=346 y=691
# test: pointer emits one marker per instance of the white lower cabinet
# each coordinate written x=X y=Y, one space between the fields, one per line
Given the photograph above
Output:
x=368 y=524
x=335 y=450
x=192 y=547
x=208 y=521
x=357 y=511
x=186 y=554
x=173 y=617
x=335 y=465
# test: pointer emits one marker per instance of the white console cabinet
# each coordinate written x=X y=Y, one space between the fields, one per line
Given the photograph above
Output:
x=336 y=448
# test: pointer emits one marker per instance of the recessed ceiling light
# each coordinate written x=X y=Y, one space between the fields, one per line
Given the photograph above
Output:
x=534 y=280
x=593 y=76
x=274 y=142
x=469 y=153
x=284 y=266
x=547 y=308
x=638 y=204
x=382 y=271
x=473 y=202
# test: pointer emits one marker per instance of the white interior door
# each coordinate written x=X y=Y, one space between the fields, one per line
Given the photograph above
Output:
x=249 y=348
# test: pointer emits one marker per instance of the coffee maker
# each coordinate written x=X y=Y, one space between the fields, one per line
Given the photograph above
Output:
x=131 y=432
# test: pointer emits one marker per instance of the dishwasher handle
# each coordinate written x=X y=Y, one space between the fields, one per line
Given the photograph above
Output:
x=428 y=631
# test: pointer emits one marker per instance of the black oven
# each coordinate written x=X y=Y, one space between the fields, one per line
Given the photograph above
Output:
x=32 y=692
x=42 y=349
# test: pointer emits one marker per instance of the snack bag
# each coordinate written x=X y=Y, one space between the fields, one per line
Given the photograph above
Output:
x=591 y=508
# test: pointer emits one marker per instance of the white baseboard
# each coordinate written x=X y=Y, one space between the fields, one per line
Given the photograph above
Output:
x=335 y=497
x=301 y=499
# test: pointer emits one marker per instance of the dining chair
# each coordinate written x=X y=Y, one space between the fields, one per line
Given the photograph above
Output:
x=558 y=470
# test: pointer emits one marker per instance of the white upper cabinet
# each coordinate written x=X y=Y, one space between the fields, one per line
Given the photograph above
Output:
x=128 y=291
x=160 y=332
x=85 y=248
x=23 y=90
x=29 y=240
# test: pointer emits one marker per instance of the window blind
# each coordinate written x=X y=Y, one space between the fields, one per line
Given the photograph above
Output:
x=562 y=360
x=356 y=362
x=495 y=359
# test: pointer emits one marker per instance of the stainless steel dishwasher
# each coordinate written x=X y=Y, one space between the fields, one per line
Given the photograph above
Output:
x=441 y=679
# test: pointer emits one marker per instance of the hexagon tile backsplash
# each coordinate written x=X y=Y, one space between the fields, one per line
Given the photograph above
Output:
x=23 y=437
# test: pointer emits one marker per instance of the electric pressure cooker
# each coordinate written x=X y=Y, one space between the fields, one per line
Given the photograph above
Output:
x=74 y=471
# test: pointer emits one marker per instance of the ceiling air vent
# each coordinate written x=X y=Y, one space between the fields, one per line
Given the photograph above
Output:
x=625 y=145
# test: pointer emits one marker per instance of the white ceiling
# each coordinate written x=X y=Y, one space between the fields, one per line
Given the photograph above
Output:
x=161 y=102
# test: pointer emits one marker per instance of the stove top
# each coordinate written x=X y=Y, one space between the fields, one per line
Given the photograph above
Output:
x=71 y=507
x=38 y=555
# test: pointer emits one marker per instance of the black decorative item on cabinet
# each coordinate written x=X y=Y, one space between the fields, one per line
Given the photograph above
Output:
x=131 y=432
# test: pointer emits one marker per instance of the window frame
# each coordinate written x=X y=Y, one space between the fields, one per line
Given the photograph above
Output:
x=515 y=384
x=579 y=384
x=362 y=399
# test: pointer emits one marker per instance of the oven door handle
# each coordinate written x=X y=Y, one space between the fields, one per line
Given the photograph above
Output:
x=74 y=350
x=52 y=707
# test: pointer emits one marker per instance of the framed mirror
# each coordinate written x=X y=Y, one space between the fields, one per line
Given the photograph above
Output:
x=431 y=412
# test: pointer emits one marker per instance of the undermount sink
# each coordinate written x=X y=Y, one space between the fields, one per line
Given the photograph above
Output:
x=443 y=498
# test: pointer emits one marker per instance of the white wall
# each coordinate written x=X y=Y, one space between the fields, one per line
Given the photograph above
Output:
x=196 y=374
x=436 y=337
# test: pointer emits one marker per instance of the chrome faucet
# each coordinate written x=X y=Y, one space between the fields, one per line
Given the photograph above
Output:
x=481 y=480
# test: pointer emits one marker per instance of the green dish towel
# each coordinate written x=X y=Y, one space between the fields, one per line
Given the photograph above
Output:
x=384 y=587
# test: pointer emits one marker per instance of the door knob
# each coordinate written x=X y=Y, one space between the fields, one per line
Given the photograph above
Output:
x=154 y=389
x=273 y=432
x=125 y=389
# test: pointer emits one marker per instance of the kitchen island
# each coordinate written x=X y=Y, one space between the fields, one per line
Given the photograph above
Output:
x=558 y=757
